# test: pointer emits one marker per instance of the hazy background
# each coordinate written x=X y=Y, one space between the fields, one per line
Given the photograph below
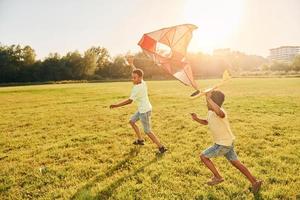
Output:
x=250 y=26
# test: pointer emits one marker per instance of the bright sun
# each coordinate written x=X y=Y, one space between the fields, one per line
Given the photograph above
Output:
x=216 y=21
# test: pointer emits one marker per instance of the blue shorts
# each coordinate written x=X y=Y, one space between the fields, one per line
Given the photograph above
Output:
x=220 y=150
x=145 y=119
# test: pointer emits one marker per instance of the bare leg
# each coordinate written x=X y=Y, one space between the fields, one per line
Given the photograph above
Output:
x=136 y=130
x=209 y=164
x=244 y=171
x=154 y=139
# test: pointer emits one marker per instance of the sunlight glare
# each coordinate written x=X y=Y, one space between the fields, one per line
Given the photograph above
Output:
x=216 y=21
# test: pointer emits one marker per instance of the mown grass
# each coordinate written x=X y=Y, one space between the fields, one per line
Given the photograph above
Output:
x=86 y=152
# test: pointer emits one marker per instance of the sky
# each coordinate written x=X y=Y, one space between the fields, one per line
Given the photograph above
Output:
x=250 y=26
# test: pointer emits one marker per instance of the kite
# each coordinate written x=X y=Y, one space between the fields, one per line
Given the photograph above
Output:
x=176 y=39
x=167 y=47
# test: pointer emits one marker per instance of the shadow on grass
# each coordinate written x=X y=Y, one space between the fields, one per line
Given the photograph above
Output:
x=107 y=192
x=85 y=191
x=258 y=196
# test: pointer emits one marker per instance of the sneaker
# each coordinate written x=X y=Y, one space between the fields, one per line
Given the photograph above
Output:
x=256 y=186
x=162 y=149
x=215 y=181
x=138 y=142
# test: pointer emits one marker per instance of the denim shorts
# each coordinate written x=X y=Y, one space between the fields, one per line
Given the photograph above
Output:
x=220 y=150
x=145 y=119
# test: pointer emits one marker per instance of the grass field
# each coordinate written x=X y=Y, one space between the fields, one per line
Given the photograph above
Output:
x=85 y=149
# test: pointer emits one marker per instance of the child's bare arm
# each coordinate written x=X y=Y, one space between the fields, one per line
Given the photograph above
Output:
x=214 y=106
x=122 y=103
x=201 y=121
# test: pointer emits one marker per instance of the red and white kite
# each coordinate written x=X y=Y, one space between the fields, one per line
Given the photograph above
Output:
x=176 y=39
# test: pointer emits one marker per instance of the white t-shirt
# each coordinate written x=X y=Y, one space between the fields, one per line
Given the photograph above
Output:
x=220 y=128
x=139 y=94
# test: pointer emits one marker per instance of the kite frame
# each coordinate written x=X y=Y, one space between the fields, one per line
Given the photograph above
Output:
x=190 y=28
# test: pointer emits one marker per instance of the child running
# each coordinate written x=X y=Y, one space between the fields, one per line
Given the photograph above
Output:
x=139 y=94
x=223 y=138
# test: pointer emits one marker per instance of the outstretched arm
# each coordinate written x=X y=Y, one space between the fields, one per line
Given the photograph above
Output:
x=201 y=121
x=123 y=103
x=214 y=106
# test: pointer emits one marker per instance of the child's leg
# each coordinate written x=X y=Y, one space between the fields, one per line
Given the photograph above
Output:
x=136 y=130
x=154 y=139
x=132 y=122
x=209 y=164
x=232 y=157
x=256 y=184
x=146 y=121
x=211 y=152
x=244 y=170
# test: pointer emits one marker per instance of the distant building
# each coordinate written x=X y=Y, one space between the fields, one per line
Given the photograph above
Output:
x=222 y=52
x=284 y=53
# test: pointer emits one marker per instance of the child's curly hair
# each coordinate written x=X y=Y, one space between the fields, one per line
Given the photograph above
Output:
x=139 y=72
x=218 y=97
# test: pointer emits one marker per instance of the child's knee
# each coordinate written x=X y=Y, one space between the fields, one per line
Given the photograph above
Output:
x=235 y=162
x=149 y=133
x=203 y=158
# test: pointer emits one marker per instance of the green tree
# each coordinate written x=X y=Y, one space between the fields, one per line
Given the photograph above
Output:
x=296 y=63
x=280 y=66
x=75 y=68
x=53 y=68
x=103 y=62
x=118 y=68
x=10 y=63
x=28 y=55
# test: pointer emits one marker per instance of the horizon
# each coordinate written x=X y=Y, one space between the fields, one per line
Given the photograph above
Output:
x=241 y=25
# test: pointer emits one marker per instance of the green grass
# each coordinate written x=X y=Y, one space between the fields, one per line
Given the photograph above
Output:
x=87 y=152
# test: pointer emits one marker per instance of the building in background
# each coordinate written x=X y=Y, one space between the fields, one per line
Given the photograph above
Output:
x=284 y=53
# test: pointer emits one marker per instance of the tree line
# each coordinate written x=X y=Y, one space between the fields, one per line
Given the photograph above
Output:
x=19 y=64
